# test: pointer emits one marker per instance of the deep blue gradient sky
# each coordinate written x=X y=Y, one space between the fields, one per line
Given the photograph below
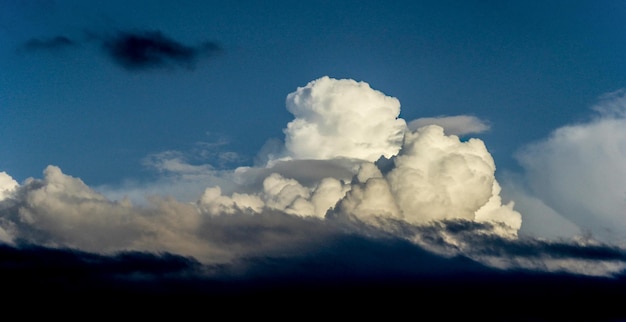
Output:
x=525 y=67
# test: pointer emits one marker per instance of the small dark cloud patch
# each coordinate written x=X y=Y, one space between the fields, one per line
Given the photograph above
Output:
x=133 y=51
x=43 y=44
x=152 y=50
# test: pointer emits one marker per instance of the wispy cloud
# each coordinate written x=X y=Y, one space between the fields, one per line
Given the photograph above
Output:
x=48 y=44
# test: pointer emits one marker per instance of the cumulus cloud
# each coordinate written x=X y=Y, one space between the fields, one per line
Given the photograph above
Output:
x=453 y=125
x=352 y=168
x=433 y=176
x=152 y=49
x=7 y=185
x=578 y=171
x=61 y=211
x=342 y=118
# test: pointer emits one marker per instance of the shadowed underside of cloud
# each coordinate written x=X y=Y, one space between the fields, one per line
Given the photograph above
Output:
x=380 y=273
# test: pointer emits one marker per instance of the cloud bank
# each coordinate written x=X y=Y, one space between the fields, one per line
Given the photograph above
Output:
x=350 y=167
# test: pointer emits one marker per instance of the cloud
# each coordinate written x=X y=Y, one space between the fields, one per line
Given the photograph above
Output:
x=439 y=177
x=153 y=50
x=379 y=272
x=7 y=185
x=452 y=125
x=7 y=188
x=134 y=50
x=342 y=118
x=578 y=171
x=48 y=44
x=426 y=191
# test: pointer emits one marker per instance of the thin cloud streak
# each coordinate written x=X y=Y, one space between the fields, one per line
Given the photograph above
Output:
x=48 y=44
x=453 y=125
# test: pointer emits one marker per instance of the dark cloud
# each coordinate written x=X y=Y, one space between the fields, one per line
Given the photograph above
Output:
x=482 y=243
x=134 y=51
x=152 y=49
x=352 y=274
x=54 y=43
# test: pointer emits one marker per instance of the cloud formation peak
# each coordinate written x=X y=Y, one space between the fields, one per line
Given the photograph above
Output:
x=350 y=166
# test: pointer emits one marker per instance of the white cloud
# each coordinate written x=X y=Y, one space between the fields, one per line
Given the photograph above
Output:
x=579 y=171
x=7 y=185
x=539 y=219
x=438 y=177
x=434 y=190
x=452 y=125
x=342 y=118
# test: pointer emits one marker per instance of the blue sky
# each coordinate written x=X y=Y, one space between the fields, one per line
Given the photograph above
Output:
x=524 y=67
x=234 y=131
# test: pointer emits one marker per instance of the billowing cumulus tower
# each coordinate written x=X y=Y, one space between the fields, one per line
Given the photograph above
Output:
x=435 y=176
x=343 y=118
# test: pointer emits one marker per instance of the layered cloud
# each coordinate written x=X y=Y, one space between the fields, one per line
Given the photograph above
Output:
x=453 y=125
x=349 y=167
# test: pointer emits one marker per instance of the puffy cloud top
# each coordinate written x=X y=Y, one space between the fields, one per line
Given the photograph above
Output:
x=343 y=118
x=7 y=184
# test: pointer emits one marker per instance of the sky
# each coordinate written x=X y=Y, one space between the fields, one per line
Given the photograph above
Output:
x=232 y=132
